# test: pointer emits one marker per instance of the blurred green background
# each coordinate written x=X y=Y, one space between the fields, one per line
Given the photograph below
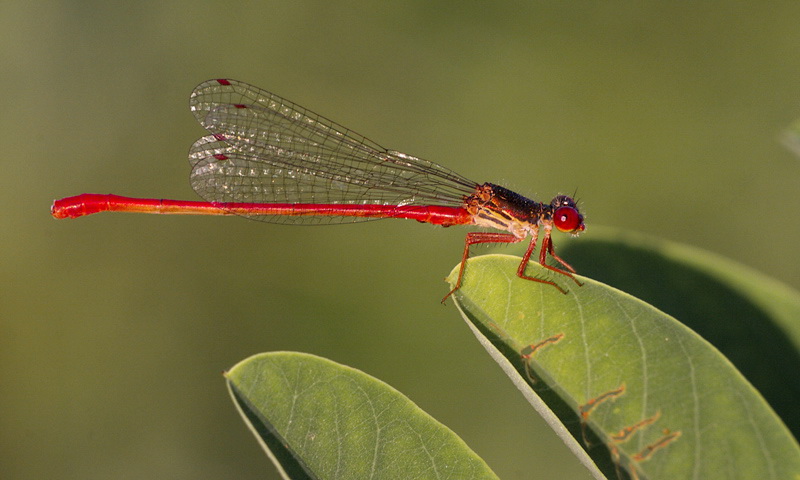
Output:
x=115 y=328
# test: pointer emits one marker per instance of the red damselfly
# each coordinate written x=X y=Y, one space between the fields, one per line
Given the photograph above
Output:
x=269 y=159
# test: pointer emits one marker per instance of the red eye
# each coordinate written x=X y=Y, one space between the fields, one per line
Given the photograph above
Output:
x=567 y=219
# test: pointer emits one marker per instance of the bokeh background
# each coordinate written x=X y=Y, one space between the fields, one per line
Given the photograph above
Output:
x=114 y=329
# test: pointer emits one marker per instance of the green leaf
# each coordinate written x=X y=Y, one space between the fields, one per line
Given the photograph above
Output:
x=753 y=320
x=644 y=395
x=318 y=419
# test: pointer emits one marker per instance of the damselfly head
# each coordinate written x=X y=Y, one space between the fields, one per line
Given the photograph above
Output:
x=566 y=216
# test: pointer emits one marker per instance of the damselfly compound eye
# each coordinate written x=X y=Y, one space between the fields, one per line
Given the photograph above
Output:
x=567 y=219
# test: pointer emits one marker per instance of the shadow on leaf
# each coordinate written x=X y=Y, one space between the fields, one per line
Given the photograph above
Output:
x=745 y=333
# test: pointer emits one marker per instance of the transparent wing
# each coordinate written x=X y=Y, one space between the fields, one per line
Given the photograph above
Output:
x=265 y=149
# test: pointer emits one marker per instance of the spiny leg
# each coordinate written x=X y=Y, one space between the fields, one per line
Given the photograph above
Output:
x=474 y=238
x=524 y=263
x=547 y=247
